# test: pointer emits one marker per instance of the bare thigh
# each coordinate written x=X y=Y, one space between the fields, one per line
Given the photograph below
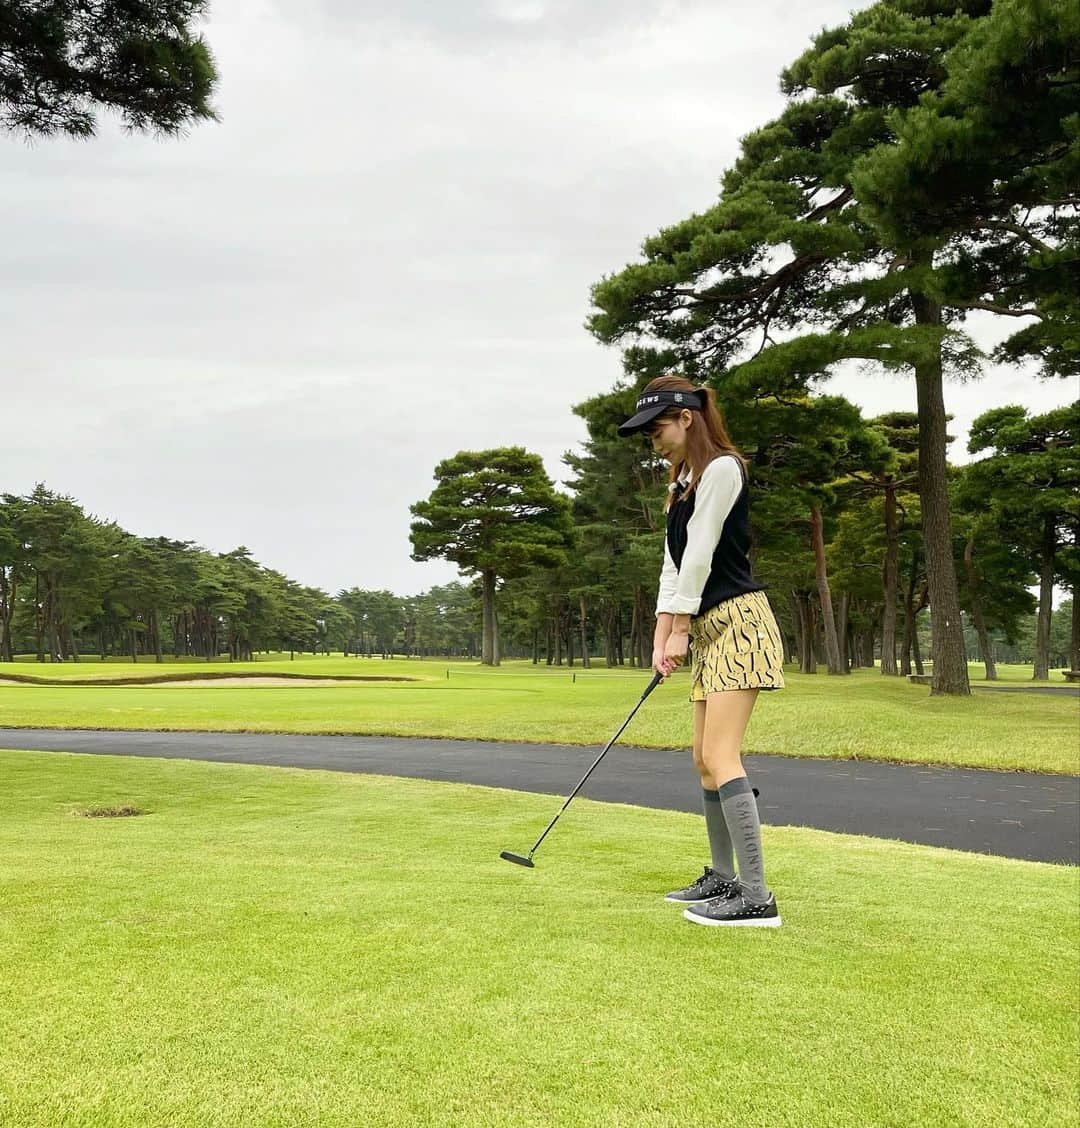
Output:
x=726 y=716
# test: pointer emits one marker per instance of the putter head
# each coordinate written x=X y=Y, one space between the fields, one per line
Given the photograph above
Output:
x=517 y=859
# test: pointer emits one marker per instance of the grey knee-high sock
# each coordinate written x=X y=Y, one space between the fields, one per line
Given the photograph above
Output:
x=741 y=814
x=723 y=861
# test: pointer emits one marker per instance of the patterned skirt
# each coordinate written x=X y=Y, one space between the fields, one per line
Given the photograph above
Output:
x=736 y=645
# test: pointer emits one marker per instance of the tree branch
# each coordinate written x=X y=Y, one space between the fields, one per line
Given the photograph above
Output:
x=830 y=205
x=994 y=308
x=1020 y=232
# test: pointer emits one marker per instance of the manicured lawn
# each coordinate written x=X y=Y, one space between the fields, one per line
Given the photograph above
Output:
x=862 y=716
x=278 y=947
x=331 y=665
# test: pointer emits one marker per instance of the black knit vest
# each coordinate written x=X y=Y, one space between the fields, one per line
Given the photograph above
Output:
x=730 y=574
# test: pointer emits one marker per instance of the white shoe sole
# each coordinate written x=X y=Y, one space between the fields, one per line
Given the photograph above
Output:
x=761 y=922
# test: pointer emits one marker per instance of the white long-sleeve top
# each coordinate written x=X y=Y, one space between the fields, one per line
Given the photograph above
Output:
x=717 y=491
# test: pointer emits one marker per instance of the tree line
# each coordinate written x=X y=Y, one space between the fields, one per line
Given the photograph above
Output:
x=836 y=534
x=72 y=584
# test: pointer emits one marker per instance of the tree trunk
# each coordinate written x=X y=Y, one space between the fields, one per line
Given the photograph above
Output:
x=611 y=634
x=947 y=640
x=1046 y=600
x=155 y=626
x=842 y=633
x=986 y=647
x=645 y=629
x=832 y=646
x=890 y=582
x=496 y=638
x=51 y=626
x=8 y=590
x=799 y=627
x=811 y=634
x=584 y=637
x=808 y=623
x=1074 y=642
x=785 y=641
x=39 y=629
x=909 y=622
x=635 y=627
x=488 y=656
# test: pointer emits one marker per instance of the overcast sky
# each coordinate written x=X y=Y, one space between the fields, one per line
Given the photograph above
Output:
x=270 y=331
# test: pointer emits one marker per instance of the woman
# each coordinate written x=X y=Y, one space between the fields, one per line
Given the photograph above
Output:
x=708 y=594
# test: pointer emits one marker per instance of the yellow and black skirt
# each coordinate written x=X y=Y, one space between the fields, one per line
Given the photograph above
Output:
x=736 y=645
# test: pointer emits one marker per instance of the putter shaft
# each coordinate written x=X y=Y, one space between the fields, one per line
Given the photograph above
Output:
x=657 y=679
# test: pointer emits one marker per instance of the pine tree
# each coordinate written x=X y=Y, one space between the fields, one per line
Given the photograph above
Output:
x=495 y=514
x=62 y=61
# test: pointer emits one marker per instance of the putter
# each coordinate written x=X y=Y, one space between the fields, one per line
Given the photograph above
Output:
x=517 y=859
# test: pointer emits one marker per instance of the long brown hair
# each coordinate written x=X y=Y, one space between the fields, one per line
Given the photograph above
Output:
x=703 y=443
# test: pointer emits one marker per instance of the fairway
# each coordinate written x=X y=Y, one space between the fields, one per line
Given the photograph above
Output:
x=862 y=716
x=270 y=946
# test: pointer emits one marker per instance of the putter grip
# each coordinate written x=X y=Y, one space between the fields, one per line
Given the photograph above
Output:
x=657 y=679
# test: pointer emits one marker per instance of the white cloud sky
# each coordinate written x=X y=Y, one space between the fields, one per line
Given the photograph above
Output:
x=269 y=332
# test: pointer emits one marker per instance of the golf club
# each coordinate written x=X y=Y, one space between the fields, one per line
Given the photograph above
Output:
x=517 y=859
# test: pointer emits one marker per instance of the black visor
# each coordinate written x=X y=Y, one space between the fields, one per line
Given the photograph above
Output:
x=651 y=404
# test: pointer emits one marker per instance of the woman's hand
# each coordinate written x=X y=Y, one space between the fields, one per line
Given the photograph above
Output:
x=675 y=650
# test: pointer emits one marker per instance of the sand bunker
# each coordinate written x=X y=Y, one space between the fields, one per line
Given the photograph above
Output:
x=294 y=682
x=204 y=681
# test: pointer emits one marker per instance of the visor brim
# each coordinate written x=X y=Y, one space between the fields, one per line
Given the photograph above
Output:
x=643 y=418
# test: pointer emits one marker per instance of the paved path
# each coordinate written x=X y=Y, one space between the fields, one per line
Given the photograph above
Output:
x=1020 y=815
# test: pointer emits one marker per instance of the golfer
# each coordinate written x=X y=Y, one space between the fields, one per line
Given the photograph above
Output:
x=708 y=596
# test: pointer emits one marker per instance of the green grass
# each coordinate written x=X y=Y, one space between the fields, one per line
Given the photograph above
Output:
x=335 y=665
x=862 y=716
x=277 y=947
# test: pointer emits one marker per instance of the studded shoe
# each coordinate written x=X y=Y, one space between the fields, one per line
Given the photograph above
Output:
x=708 y=887
x=735 y=910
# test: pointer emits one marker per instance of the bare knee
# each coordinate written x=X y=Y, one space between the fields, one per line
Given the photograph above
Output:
x=722 y=733
x=698 y=746
x=707 y=780
x=699 y=758
x=722 y=762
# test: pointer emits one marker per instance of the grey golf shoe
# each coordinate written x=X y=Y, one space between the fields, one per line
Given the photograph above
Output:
x=709 y=886
x=735 y=910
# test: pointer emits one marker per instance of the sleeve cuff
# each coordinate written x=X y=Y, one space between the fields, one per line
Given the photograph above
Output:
x=680 y=605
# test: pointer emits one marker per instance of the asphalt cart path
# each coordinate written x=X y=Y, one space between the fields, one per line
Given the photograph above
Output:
x=1014 y=814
